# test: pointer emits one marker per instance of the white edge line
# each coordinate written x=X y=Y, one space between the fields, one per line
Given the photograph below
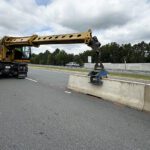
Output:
x=31 y=80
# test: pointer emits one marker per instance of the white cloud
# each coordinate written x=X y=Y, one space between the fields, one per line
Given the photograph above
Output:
x=81 y=15
x=112 y=20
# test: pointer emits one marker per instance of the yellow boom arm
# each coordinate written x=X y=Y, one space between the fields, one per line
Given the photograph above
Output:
x=35 y=40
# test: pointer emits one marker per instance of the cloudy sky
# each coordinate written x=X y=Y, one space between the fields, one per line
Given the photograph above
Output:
x=119 y=21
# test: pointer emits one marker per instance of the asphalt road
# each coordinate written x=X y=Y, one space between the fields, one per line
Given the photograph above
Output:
x=40 y=113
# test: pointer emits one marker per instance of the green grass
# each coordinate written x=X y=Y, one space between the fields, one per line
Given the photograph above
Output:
x=61 y=68
x=127 y=75
x=124 y=75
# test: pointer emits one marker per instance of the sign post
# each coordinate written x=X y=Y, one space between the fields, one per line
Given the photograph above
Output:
x=89 y=59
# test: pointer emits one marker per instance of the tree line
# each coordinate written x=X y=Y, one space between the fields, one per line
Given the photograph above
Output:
x=112 y=52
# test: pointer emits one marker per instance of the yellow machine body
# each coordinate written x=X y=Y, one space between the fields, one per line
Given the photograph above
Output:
x=15 y=51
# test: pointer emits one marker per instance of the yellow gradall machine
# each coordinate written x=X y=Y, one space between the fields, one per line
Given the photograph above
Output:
x=15 y=52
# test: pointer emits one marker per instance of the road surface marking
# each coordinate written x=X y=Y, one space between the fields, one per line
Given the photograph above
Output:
x=68 y=92
x=31 y=80
x=57 y=71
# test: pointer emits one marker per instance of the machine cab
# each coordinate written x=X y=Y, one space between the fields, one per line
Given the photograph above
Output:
x=22 y=53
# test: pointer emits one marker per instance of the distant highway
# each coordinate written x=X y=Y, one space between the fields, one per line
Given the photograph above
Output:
x=40 y=113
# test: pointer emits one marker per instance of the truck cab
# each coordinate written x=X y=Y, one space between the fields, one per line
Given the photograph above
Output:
x=13 y=61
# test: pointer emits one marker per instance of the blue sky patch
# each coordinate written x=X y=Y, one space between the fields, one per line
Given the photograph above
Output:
x=43 y=2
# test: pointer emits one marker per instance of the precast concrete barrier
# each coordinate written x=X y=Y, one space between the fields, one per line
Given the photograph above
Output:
x=122 y=66
x=133 y=94
x=147 y=98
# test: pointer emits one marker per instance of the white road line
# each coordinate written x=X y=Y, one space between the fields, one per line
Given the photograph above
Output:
x=31 y=80
x=57 y=71
x=68 y=92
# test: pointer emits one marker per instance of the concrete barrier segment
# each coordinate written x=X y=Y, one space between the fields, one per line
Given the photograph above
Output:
x=128 y=93
x=147 y=98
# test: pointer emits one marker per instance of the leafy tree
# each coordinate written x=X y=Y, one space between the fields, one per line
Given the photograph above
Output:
x=112 y=52
x=61 y=58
